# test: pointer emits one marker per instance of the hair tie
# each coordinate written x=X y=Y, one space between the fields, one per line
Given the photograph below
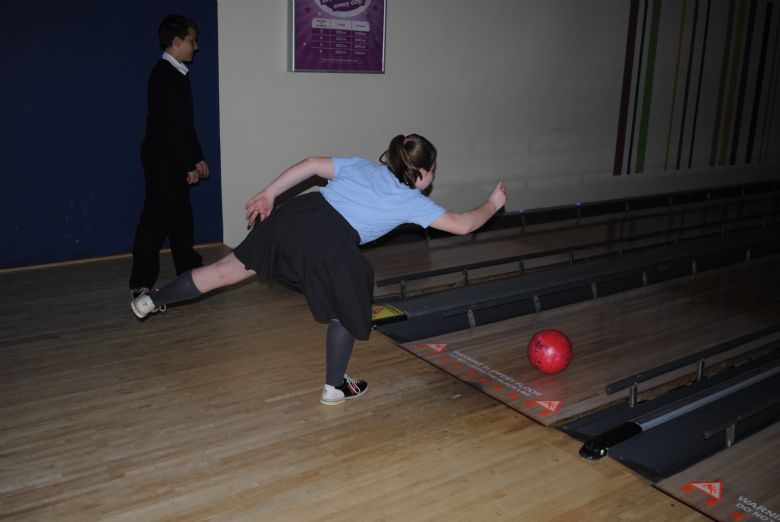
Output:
x=405 y=140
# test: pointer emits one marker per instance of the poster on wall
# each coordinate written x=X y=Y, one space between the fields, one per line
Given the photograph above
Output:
x=337 y=35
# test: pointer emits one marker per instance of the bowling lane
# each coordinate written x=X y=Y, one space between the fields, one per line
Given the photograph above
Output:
x=739 y=483
x=392 y=261
x=613 y=337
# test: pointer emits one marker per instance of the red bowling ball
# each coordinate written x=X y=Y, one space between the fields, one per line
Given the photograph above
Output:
x=550 y=351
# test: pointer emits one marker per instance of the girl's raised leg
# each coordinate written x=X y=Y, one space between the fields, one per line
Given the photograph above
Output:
x=227 y=271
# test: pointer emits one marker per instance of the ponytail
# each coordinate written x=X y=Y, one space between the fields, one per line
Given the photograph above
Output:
x=406 y=155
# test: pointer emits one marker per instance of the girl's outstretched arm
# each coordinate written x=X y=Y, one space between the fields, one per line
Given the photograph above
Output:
x=262 y=203
x=467 y=222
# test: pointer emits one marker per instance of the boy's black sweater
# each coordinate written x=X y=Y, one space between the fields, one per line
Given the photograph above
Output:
x=170 y=123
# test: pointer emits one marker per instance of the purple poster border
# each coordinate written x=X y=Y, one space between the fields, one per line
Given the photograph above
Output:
x=337 y=36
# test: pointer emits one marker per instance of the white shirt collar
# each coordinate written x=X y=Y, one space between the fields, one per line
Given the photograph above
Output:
x=176 y=63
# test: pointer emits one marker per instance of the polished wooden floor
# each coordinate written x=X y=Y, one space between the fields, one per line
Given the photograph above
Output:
x=211 y=412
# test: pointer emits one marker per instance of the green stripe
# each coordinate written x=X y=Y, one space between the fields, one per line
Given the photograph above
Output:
x=674 y=86
x=770 y=103
x=724 y=68
x=647 y=96
x=737 y=51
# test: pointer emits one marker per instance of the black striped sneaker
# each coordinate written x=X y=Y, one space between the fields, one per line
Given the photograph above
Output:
x=349 y=389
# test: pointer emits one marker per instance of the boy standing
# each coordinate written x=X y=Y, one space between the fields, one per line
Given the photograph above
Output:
x=171 y=157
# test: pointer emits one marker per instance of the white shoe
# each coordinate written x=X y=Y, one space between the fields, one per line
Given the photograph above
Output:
x=143 y=305
x=350 y=389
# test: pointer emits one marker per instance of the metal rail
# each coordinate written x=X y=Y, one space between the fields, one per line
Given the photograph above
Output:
x=730 y=426
x=698 y=359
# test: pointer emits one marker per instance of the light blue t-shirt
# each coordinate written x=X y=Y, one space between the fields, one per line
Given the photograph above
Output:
x=372 y=199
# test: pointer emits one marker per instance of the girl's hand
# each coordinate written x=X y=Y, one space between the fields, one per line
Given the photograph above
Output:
x=260 y=206
x=498 y=196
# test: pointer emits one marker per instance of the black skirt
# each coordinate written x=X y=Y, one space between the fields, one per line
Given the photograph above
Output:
x=307 y=244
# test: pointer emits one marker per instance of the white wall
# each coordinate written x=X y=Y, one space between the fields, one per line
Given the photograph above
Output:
x=519 y=90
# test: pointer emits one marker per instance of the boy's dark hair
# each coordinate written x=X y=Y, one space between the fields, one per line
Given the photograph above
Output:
x=173 y=26
x=406 y=155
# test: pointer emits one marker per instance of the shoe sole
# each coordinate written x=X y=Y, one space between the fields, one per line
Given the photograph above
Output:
x=333 y=403
x=136 y=311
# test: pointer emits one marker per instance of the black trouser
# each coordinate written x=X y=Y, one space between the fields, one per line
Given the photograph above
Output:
x=167 y=212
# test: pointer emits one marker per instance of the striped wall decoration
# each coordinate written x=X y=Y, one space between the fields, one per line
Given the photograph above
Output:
x=628 y=67
x=647 y=93
x=724 y=67
x=699 y=85
x=775 y=73
x=736 y=52
x=754 y=114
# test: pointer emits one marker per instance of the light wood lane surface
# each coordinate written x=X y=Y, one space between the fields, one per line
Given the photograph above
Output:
x=614 y=337
x=211 y=412
x=392 y=261
x=739 y=483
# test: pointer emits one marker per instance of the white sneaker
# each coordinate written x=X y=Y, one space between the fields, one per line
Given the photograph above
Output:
x=143 y=305
x=350 y=389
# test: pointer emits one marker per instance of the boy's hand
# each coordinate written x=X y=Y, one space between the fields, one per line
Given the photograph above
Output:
x=193 y=177
x=203 y=169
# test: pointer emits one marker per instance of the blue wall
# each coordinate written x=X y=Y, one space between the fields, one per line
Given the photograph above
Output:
x=73 y=111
